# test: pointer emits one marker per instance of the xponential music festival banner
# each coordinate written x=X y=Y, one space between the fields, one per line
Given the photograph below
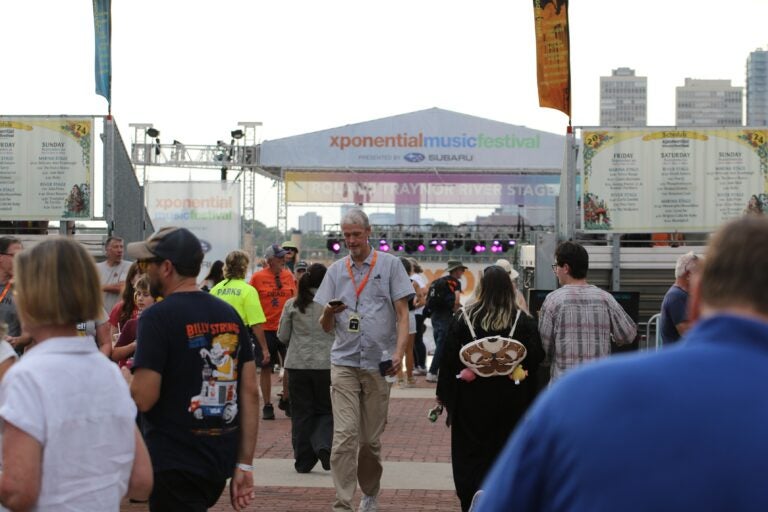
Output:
x=210 y=209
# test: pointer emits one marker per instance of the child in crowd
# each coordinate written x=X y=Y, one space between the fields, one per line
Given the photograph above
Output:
x=123 y=351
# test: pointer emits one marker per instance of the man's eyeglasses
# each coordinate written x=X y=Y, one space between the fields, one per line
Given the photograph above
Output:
x=144 y=264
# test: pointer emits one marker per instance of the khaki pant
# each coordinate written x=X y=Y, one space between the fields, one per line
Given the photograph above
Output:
x=360 y=401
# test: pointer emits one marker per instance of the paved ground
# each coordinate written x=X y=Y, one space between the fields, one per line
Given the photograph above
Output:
x=417 y=470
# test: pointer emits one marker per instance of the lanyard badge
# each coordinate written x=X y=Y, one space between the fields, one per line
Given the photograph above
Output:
x=354 y=317
x=354 y=323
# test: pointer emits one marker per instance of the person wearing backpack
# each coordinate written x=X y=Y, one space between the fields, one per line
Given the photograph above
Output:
x=442 y=302
x=486 y=342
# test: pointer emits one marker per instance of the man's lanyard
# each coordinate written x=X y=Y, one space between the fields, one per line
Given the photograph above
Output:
x=359 y=289
x=8 y=287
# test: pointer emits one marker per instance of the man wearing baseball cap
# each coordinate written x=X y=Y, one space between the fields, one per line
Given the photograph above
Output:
x=275 y=285
x=194 y=380
x=442 y=309
x=291 y=254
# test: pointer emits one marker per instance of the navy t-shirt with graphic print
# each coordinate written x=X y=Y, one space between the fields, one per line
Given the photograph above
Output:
x=198 y=344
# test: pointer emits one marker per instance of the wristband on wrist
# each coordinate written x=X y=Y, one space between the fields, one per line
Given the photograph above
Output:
x=244 y=467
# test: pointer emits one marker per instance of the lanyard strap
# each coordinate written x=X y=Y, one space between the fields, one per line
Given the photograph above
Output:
x=359 y=289
x=5 y=290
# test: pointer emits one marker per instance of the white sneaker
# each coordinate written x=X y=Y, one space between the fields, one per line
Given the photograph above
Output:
x=419 y=371
x=368 y=504
x=475 y=505
x=431 y=377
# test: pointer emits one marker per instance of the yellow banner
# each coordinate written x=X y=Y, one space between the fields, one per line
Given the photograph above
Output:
x=553 y=63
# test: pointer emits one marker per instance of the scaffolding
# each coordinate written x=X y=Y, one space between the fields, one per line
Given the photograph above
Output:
x=240 y=154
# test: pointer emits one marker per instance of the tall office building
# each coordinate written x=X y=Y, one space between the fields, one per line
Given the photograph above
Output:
x=311 y=222
x=708 y=103
x=408 y=214
x=757 y=88
x=623 y=99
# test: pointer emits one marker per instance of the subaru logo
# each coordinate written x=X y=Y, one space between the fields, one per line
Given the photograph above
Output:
x=414 y=157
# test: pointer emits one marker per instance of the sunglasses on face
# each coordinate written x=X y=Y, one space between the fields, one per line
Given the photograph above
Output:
x=144 y=264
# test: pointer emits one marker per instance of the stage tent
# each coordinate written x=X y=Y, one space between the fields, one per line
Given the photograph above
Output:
x=424 y=158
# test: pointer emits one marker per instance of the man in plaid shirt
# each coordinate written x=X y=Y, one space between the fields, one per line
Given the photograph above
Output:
x=578 y=321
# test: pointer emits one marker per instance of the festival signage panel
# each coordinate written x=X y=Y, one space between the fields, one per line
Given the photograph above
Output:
x=424 y=189
x=553 y=61
x=210 y=209
x=672 y=179
x=46 y=168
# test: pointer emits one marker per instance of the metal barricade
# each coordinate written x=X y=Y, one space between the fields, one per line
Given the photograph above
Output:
x=654 y=321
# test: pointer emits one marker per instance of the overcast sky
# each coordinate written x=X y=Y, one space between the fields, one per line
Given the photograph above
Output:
x=195 y=68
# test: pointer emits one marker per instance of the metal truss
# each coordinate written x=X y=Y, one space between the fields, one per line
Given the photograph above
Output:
x=240 y=155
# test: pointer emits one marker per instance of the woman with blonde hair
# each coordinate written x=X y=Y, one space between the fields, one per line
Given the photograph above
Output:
x=483 y=402
x=69 y=437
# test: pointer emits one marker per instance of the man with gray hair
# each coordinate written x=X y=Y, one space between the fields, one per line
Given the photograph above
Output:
x=113 y=271
x=674 y=307
x=365 y=298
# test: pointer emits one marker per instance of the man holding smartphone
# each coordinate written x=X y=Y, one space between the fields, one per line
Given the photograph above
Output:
x=366 y=307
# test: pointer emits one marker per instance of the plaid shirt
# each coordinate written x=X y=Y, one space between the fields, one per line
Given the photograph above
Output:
x=576 y=323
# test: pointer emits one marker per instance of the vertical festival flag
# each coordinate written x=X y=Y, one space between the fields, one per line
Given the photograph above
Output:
x=102 y=24
x=553 y=62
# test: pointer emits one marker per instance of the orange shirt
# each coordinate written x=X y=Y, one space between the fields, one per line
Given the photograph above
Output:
x=272 y=297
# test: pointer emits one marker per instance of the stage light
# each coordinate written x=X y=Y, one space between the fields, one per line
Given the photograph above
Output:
x=333 y=245
x=398 y=245
x=420 y=247
x=478 y=248
x=153 y=132
x=383 y=245
x=439 y=248
x=237 y=134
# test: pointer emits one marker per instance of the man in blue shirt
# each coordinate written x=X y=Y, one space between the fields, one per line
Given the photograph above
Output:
x=674 y=307
x=679 y=429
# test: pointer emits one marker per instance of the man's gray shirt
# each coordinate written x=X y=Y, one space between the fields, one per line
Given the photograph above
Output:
x=388 y=282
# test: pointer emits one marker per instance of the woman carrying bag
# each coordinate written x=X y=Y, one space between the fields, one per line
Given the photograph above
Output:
x=479 y=385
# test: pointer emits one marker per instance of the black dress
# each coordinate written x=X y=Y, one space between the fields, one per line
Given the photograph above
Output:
x=483 y=413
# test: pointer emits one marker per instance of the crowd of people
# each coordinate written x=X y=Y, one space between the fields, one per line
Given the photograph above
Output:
x=177 y=416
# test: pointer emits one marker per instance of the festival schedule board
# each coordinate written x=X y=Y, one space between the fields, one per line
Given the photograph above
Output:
x=46 y=168
x=672 y=179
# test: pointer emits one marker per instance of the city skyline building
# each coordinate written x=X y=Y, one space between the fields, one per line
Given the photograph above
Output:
x=757 y=88
x=708 y=103
x=623 y=99
x=311 y=222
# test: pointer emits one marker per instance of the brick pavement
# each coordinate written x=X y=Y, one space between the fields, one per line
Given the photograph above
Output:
x=408 y=438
